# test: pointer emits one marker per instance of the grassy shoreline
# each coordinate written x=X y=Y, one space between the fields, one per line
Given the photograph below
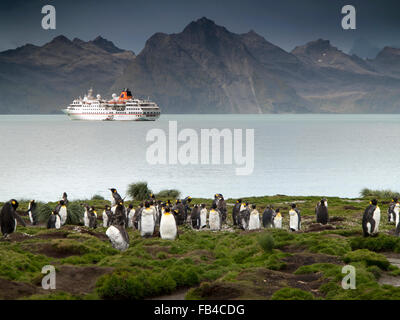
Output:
x=230 y=264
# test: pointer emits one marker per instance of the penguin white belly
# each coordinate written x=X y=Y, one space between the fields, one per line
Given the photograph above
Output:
x=113 y=208
x=203 y=218
x=168 y=229
x=294 y=220
x=15 y=224
x=254 y=222
x=377 y=218
x=105 y=219
x=147 y=224
x=214 y=221
x=396 y=211
x=30 y=217
x=58 y=222
x=278 y=223
x=63 y=214
x=117 y=240
x=86 y=219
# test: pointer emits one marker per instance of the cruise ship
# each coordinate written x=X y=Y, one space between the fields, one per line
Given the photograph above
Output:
x=124 y=107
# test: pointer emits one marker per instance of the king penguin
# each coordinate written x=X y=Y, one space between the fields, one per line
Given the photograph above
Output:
x=277 y=219
x=268 y=216
x=116 y=233
x=107 y=216
x=92 y=215
x=32 y=212
x=235 y=211
x=295 y=218
x=222 y=208
x=86 y=215
x=244 y=216
x=203 y=216
x=195 y=217
x=215 y=219
x=61 y=210
x=321 y=211
x=254 y=221
x=115 y=197
x=147 y=222
x=130 y=215
x=65 y=198
x=371 y=219
x=168 y=228
x=54 y=221
x=9 y=218
x=396 y=211
x=390 y=211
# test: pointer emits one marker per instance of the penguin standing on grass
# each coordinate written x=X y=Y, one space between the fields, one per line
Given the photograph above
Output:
x=371 y=219
x=107 y=216
x=195 y=217
x=203 y=216
x=179 y=211
x=215 y=219
x=9 y=218
x=222 y=207
x=321 y=211
x=396 y=211
x=390 y=211
x=130 y=215
x=32 y=212
x=61 y=210
x=147 y=221
x=116 y=233
x=86 y=215
x=236 y=211
x=254 y=221
x=186 y=205
x=54 y=221
x=295 y=218
x=277 y=219
x=244 y=216
x=92 y=214
x=168 y=227
x=268 y=216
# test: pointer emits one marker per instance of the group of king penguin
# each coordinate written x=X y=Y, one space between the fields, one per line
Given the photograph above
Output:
x=154 y=213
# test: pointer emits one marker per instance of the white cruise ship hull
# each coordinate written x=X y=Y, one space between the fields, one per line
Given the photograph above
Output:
x=108 y=116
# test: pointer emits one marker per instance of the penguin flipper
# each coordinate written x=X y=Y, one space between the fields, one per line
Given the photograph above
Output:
x=19 y=219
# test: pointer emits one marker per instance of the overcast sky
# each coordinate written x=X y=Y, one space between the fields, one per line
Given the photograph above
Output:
x=129 y=23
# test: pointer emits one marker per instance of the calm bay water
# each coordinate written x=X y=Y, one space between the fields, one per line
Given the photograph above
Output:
x=331 y=155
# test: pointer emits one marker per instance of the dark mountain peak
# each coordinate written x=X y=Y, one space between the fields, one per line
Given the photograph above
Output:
x=78 y=41
x=319 y=46
x=61 y=39
x=202 y=25
x=106 y=45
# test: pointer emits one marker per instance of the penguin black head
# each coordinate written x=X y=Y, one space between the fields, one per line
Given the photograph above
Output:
x=107 y=207
x=196 y=206
x=113 y=190
x=293 y=205
x=167 y=209
x=189 y=199
x=374 y=202
x=178 y=201
x=65 y=195
x=61 y=202
x=239 y=201
x=395 y=200
x=253 y=206
x=14 y=203
x=130 y=206
x=53 y=212
x=277 y=210
x=214 y=206
x=203 y=205
x=151 y=202
x=147 y=204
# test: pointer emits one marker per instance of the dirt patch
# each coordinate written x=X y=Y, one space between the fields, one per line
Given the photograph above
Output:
x=154 y=250
x=317 y=227
x=79 y=280
x=350 y=208
x=50 y=250
x=304 y=259
x=17 y=237
x=52 y=235
x=11 y=290
x=260 y=284
x=336 y=219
